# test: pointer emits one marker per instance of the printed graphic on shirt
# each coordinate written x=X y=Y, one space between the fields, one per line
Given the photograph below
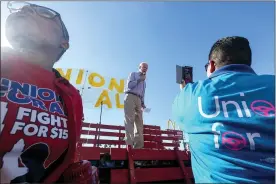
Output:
x=37 y=131
x=229 y=139
x=260 y=107
x=41 y=120
x=11 y=168
x=32 y=160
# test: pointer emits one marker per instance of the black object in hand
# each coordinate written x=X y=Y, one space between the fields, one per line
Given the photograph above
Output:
x=184 y=73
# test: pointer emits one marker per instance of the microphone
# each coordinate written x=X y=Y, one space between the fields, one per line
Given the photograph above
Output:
x=143 y=73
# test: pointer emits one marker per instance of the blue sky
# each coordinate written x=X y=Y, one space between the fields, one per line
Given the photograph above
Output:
x=112 y=38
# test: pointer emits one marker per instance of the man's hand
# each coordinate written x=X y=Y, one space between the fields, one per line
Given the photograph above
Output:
x=182 y=85
x=142 y=78
x=143 y=106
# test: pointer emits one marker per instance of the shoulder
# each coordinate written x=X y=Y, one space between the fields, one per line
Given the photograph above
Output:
x=188 y=95
x=270 y=79
x=194 y=88
x=57 y=74
x=73 y=90
x=133 y=73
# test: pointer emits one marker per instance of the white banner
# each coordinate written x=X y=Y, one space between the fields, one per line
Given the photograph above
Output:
x=96 y=88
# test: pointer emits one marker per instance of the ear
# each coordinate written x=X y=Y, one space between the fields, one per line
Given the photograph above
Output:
x=212 y=66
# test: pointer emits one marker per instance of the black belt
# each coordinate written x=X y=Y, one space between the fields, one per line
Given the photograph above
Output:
x=133 y=94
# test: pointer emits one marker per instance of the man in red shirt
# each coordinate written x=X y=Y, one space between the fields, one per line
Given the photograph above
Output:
x=41 y=112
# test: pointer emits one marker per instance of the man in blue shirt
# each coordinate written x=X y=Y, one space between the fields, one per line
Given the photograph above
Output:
x=133 y=105
x=230 y=118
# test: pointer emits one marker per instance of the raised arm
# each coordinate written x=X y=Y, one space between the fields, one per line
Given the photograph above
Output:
x=131 y=82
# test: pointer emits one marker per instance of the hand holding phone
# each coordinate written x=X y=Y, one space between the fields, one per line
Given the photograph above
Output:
x=142 y=77
x=184 y=74
x=182 y=85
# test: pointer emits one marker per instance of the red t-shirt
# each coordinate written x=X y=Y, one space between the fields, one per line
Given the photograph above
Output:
x=34 y=131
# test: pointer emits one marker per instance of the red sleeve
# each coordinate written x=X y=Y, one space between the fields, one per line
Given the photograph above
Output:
x=79 y=114
x=78 y=110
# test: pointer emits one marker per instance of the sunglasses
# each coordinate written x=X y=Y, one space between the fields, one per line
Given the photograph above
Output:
x=15 y=6
x=206 y=67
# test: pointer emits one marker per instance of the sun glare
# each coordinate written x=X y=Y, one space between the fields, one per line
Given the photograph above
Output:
x=4 y=41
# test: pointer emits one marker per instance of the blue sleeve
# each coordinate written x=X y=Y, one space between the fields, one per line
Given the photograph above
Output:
x=180 y=107
x=131 y=82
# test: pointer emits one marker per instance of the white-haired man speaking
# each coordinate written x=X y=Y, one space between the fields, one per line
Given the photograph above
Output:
x=133 y=105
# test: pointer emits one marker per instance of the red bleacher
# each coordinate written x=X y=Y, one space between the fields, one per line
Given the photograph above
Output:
x=160 y=145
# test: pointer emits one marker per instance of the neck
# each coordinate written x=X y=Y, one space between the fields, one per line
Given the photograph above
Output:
x=35 y=57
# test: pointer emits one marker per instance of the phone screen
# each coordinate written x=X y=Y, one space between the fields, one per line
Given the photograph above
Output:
x=184 y=74
x=188 y=74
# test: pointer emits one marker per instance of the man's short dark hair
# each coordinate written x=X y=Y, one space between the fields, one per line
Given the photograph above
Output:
x=231 y=50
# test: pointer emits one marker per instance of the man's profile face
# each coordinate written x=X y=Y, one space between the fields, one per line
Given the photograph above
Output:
x=27 y=24
x=210 y=68
x=143 y=68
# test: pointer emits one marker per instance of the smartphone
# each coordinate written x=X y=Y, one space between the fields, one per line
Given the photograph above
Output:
x=184 y=74
x=188 y=74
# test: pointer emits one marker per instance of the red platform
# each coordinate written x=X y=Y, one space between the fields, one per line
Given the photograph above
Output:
x=160 y=145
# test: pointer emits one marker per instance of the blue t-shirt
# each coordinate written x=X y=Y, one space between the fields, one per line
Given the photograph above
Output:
x=230 y=119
